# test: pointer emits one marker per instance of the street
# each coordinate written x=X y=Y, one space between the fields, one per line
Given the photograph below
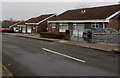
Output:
x=30 y=57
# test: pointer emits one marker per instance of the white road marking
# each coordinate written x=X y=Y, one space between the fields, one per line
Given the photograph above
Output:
x=70 y=57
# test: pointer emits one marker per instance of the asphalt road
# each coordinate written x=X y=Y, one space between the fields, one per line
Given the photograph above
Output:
x=30 y=57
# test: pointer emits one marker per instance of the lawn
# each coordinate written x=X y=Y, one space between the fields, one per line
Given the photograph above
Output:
x=38 y=35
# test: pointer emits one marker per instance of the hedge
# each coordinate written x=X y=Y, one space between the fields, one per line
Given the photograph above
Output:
x=55 y=35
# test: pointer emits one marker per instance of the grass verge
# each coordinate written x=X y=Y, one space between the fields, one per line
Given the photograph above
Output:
x=29 y=34
x=6 y=73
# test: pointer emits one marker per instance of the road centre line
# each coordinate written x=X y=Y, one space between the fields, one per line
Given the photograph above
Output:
x=70 y=57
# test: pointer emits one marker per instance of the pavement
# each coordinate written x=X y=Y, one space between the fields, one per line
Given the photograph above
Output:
x=113 y=48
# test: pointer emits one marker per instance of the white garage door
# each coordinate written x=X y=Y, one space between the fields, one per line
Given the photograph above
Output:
x=23 y=29
x=78 y=30
x=28 y=29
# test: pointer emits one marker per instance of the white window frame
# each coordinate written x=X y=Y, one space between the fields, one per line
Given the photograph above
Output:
x=53 y=26
x=75 y=26
x=34 y=27
x=63 y=29
x=95 y=25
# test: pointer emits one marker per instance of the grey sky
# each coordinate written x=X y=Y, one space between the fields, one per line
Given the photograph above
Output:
x=26 y=10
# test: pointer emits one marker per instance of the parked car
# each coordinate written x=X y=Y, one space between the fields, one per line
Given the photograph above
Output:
x=5 y=30
x=87 y=33
x=16 y=30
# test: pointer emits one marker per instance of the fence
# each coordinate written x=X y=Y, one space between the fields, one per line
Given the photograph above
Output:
x=76 y=35
x=106 y=38
x=96 y=37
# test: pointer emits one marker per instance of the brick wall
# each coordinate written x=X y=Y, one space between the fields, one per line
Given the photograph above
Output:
x=87 y=25
x=70 y=26
x=114 y=23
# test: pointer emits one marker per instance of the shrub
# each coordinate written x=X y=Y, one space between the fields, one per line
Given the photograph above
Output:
x=55 y=35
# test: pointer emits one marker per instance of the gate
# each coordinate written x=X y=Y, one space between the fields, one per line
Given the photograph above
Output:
x=76 y=35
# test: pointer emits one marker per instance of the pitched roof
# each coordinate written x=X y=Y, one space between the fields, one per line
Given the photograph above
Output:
x=15 y=25
x=35 y=19
x=88 y=13
x=21 y=23
x=38 y=19
x=7 y=24
x=29 y=20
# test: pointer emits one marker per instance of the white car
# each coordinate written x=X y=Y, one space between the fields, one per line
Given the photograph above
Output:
x=17 y=30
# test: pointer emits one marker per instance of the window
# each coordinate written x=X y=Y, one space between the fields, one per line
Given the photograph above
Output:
x=78 y=29
x=63 y=27
x=78 y=26
x=53 y=25
x=95 y=25
x=34 y=27
x=106 y=30
x=83 y=11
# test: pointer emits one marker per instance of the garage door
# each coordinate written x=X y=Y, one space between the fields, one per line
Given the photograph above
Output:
x=23 y=29
x=28 y=29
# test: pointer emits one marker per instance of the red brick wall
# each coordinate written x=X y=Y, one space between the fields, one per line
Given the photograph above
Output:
x=42 y=27
x=50 y=29
x=70 y=26
x=57 y=27
x=114 y=23
x=87 y=25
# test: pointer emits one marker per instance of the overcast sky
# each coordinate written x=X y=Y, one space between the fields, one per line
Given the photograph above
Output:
x=26 y=10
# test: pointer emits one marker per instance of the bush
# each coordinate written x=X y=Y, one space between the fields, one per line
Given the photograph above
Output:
x=53 y=35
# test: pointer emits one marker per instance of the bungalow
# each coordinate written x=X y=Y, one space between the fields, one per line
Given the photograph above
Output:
x=38 y=24
x=80 y=19
x=19 y=25
x=7 y=23
x=14 y=26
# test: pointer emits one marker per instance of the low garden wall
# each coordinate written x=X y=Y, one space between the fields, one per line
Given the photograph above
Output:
x=107 y=38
